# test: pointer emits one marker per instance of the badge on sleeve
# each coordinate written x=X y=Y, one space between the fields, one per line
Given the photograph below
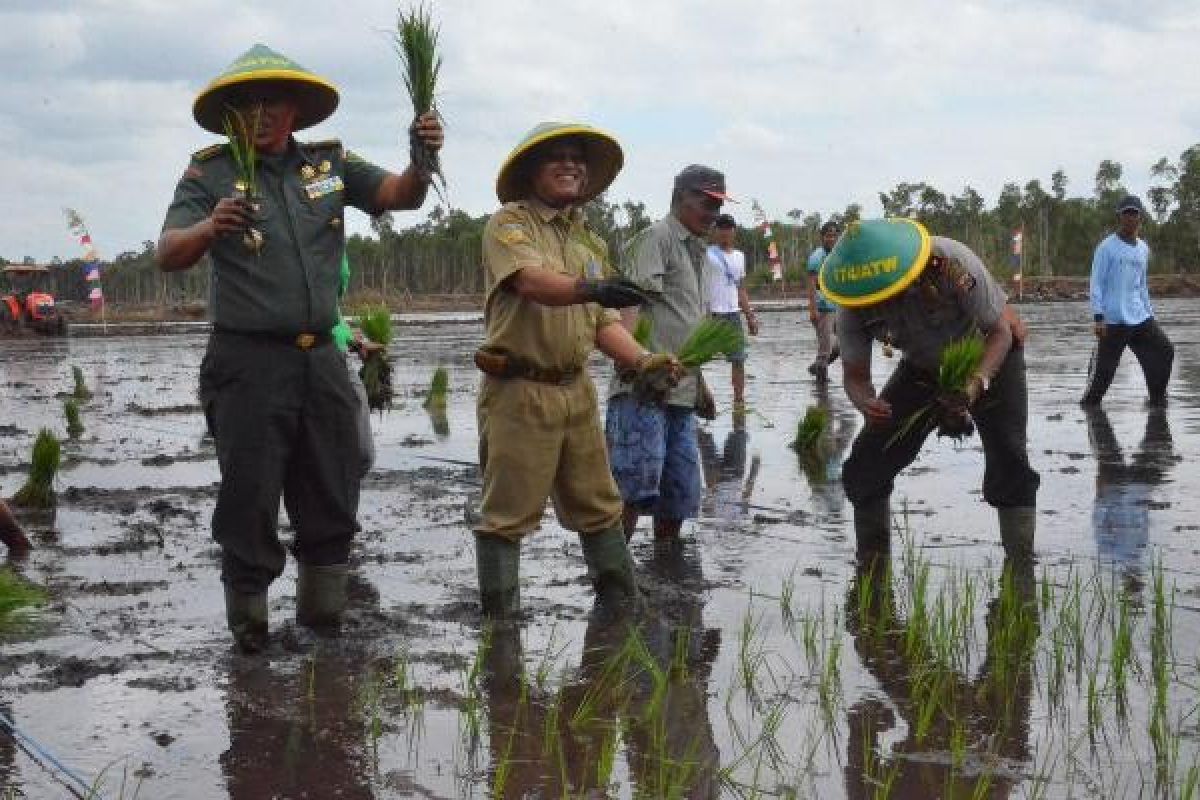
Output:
x=513 y=234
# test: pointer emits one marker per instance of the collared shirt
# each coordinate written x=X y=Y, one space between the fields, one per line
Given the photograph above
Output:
x=954 y=297
x=670 y=263
x=1120 y=295
x=291 y=284
x=528 y=233
x=728 y=270
x=815 y=259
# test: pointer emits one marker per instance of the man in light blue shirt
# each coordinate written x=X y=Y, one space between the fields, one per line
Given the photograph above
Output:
x=1122 y=313
x=821 y=312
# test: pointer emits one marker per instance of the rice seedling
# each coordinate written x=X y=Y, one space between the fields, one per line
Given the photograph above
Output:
x=959 y=362
x=376 y=371
x=607 y=756
x=38 y=491
x=17 y=596
x=74 y=423
x=81 y=391
x=810 y=430
x=438 y=388
x=416 y=44
x=787 y=592
x=711 y=338
x=643 y=330
x=241 y=134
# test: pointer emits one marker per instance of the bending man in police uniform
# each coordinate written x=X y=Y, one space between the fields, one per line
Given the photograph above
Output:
x=547 y=307
x=896 y=284
x=273 y=387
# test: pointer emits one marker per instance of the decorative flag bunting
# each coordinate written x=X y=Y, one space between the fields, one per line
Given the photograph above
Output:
x=91 y=259
x=772 y=251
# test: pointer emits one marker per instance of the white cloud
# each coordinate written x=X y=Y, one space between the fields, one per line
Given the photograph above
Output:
x=801 y=104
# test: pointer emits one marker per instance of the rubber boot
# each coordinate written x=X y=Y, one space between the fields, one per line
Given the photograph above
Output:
x=1017 y=526
x=246 y=615
x=610 y=568
x=11 y=535
x=873 y=528
x=498 y=564
x=320 y=595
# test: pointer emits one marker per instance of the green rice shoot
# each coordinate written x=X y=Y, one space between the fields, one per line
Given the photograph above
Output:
x=438 y=388
x=810 y=429
x=81 y=390
x=711 y=338
x=416 y=43
x=38 y=491
x=17 y=595
x=643 y=330
x=74 y=422
x=960 y=361
x=242 y=136
x=376 y=325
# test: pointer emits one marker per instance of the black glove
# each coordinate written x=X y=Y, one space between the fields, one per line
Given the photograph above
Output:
x=613 y=293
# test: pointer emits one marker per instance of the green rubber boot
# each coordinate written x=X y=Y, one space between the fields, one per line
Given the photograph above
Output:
x=1017 y=527
x=498 y=563
x=246 y=615
x=320 y=595
x=873 y=528
x=610 y=568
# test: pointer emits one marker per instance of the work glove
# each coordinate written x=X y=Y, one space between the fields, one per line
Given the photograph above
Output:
x=612 y=293
x=654 y=376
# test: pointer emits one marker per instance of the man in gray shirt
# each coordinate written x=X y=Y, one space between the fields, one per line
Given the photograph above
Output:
x=274 y=389
x=651 y=443
x=896 y=284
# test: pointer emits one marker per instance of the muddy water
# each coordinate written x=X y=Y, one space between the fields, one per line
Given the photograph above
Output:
x=764 y=662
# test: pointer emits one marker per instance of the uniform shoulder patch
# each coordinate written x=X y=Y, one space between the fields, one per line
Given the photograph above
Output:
x=204 y=154
x=959 y=276
x=328 y=146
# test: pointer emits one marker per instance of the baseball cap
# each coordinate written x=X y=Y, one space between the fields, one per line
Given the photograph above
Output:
x=699 y=178
x=1130 y=202
x=724 y=221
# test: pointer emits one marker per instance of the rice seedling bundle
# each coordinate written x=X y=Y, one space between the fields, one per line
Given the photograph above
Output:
x=810 y=429
x=642 y=330
x=16 y=594
x=376 y=372
x=38 y=491
x=438 y=388
x=960 y=361
x=242 y=134
x=958 y=365
x=711 y=338
x=81 y=390
x=416 y=43
x=74 y=423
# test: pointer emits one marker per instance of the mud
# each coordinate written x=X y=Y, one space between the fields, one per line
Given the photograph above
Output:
x=129 y=668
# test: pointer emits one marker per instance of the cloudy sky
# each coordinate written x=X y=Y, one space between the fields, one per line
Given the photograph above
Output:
x=804 y=105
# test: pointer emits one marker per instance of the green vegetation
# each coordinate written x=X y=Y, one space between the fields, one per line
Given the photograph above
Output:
x=16 y=596
x=642 y=330
x=810 y=429
x=711 y=338
x=81 y=391
x=38 y=491
x=376 y=372
x=439 y=387
x=416 y=43
x=74 y=422
x=960 y=361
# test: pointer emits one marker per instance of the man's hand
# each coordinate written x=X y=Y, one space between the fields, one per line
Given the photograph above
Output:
x=364 y=347
x=813 y=315
x=974 y=390
x=612 y=293
x=231 y=215
x=1099 y=328
x=427 y=131
x=1015 y=324
x=752 y=323
x=876 y=410
x=665 y=363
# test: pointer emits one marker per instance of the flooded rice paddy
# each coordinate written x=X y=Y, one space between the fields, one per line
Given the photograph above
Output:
x=765 y=665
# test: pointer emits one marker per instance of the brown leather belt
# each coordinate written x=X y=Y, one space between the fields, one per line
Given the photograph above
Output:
x=508 y=367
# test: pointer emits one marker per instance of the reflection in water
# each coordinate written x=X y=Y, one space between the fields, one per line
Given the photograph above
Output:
x=643 y=685
x=962 y=737
x=724 y=471
x=1121 y=513
x=822 y=468
x=439 y=420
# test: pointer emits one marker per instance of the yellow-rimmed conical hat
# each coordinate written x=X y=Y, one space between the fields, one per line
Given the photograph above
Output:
x=604 y=159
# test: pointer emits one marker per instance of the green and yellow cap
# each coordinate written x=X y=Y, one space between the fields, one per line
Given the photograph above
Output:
x=874 y=260
x=316 y=97
x=604 y=159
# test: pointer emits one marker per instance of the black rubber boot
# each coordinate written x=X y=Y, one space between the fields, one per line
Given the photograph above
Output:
x=873 y=528
x=1017 y=528
x=610 y=568
x=498 y=565
x=320 y=595
x=246 y=615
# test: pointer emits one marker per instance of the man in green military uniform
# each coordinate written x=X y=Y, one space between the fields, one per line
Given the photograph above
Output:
x=896 y=284
x=274 y=388
x=547 y=307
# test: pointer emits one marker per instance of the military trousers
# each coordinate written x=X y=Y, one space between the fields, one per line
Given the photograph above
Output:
x=285 y=421
x=1150 y=346
x=1000 y=418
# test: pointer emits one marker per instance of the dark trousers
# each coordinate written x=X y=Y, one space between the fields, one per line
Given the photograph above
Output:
x=285 y=423
x=1000 y=418
x=1150 y=346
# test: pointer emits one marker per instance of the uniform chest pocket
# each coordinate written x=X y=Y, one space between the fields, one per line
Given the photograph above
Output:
x=319 y=218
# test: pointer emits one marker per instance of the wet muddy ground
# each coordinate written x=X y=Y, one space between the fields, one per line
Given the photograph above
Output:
x=765 y=665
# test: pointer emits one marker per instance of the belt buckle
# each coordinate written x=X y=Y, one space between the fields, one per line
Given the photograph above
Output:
x=305 y=341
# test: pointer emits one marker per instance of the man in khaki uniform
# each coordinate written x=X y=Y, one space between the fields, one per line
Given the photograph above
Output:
x=548 y=305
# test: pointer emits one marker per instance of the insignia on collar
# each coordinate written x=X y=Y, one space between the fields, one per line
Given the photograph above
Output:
x=307 y=172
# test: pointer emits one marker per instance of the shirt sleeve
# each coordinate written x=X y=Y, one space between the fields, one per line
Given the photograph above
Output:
x=1096 y=284
x=814 y=260
x=645 y=261
x=1146 y=282
x=508 y=247
x=978 y=293
x=738 y=265
x=854 y=341
x=362 y=179
x=192 y=202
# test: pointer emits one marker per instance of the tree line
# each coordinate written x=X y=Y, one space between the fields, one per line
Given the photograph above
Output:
x=442 y=253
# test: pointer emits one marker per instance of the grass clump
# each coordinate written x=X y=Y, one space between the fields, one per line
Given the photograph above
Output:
x=74 y=422
x=960 y=361
x=416 y=43
x=438 y=389
x=711 y=338
x=376 y=372
x=17 y=595
x=81 y=390
x=810 y=429
x=38 y=491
